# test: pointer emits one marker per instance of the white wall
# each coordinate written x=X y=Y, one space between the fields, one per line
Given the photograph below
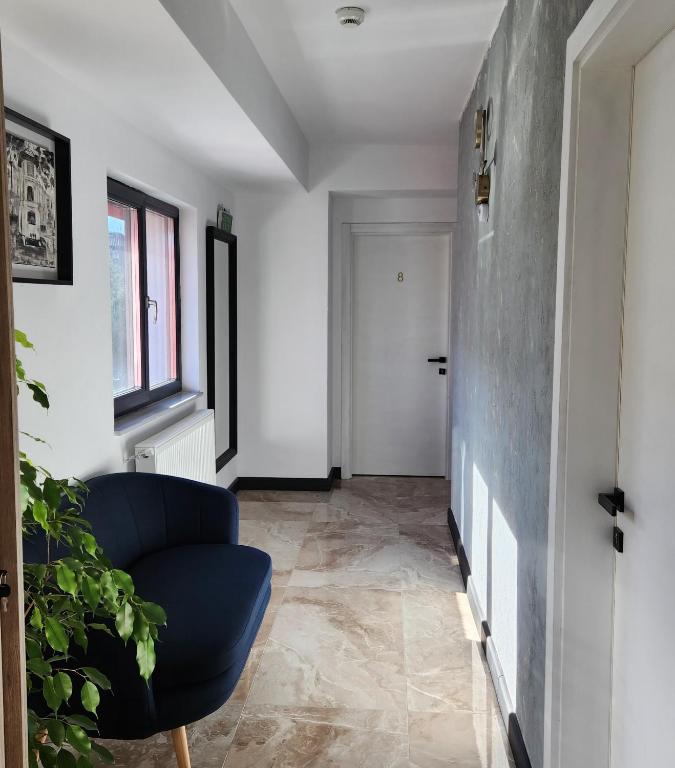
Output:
x=70 y=325
x=286 y=305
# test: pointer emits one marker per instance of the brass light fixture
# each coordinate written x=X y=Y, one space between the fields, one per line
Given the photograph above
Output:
x=482 y=178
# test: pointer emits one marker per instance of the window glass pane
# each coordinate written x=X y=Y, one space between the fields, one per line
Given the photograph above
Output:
x=125 y=297
x=159 y=232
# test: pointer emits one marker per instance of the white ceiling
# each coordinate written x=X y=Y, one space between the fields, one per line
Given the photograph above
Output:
x=132 y=55
x=402 y=77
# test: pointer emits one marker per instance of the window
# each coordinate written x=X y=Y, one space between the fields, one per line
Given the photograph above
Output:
x=145 y=297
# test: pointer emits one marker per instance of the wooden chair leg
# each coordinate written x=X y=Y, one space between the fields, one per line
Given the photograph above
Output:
x=180 y=746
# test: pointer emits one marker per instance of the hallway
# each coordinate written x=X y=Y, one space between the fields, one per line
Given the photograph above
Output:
x=368 y=655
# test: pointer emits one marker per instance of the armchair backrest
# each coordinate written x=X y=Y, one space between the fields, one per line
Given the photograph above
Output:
x=134 y=513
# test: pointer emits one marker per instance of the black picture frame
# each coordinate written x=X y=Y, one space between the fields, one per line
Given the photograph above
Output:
x=64 y=211
x=214 y=234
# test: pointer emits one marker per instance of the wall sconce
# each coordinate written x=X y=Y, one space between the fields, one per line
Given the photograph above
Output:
x=482 y=180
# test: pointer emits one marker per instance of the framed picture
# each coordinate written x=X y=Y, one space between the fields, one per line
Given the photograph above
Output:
x=224 y=219
x=40 y=206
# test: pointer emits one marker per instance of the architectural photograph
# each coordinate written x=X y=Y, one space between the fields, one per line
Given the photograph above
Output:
x=336 y=425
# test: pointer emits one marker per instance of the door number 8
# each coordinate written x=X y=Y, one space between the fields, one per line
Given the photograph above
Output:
x=400 y=277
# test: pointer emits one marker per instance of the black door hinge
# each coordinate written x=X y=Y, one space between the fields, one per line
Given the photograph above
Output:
x=618 y=539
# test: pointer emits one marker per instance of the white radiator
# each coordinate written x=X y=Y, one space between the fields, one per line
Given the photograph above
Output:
x=186 y=449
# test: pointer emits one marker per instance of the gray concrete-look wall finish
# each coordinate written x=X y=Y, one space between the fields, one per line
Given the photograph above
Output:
x=503 y=305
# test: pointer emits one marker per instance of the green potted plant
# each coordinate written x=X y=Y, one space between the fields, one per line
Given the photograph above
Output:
x=76 y=592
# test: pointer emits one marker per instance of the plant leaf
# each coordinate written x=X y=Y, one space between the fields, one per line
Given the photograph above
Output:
x=103 y=753
x=108 y=588
x=90 y=697
x=123 y=581
x=101 y=628
x=39 y=667
x=80 y=636
x=36 y=618
x=154 y=613
x=52 y=492
x=56 y=637
x=56 y=731
x=50 y=695
x=33 y=648
x=89 y=543
x=124 y=621
x=48 y=756
x=66 y=759
x=145 y=656
x=97 y=677
x=83 y=721
x=141 y=627
x=21 y=338
x=65 y=578
x=91 y=591
x=76 y=737
x=40 y=511
x=39 y=394
x=63 y=685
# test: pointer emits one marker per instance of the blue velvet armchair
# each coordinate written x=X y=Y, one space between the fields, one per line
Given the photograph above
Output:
x=178 y=540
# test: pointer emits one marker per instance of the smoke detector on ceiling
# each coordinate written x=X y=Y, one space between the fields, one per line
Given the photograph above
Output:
x=351 y=16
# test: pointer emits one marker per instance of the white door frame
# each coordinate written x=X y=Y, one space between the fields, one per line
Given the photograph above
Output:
x=349 y=233
x=602 y=53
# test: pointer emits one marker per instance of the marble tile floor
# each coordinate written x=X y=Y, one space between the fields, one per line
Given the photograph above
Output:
x=368 y=656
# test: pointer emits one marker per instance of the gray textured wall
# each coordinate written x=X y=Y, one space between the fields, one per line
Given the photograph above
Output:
x=503 y=303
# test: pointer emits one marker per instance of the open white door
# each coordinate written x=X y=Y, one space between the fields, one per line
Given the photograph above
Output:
x=643 y=711
x=13 y=678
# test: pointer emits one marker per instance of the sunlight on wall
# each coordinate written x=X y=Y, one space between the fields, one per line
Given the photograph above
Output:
x=480 y=529
x=504 y=597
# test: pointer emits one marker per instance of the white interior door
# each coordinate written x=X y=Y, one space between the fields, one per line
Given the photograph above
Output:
x=400 y=320
x=643 y=718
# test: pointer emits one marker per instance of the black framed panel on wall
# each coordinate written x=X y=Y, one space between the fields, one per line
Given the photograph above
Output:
x=40 y=204
x=221 y=339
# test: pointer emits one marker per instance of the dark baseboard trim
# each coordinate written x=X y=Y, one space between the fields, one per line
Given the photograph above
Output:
x=287 y=483
x=464 y=566
x=233 y=487
x=518 y=748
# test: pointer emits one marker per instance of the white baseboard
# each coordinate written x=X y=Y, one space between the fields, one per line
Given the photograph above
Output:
x=499 y=680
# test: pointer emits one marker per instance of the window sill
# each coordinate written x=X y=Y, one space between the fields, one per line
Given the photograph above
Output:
x=143 y=416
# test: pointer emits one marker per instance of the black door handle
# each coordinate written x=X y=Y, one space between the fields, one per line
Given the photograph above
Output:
x=612 y=502
x=437 y=360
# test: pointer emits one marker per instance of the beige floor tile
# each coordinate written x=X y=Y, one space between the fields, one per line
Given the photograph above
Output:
x=302 y=496
x=458 y=740
x=428 y=559
x=277 y=510
x=424 y=515
x=353 y=514
x=282 y=540
x=208 y=741
x=445 y=666
x=288 y=737
x=334 y=648
x=344 y=555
